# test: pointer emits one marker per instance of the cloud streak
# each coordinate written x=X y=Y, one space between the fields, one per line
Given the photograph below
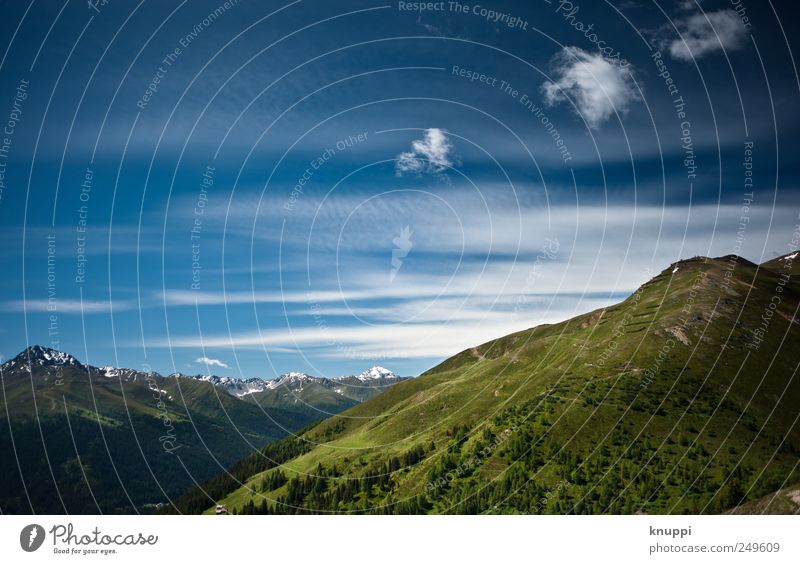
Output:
x=69 y=306
x=387 y=341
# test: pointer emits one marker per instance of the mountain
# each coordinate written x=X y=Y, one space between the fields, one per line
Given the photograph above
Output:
x=235 y=386
x=784 y=264
x=297 y=387
x=82 y=439
x=684 y=398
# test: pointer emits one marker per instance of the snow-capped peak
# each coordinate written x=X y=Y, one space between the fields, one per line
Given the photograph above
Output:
x=44 y=356
x=289 y=378
x=376 y=373
x=109 y=371
x=234 y=386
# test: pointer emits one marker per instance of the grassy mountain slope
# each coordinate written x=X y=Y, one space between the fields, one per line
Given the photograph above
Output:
x=787 y=263
x=682 y=398
x=313 y=400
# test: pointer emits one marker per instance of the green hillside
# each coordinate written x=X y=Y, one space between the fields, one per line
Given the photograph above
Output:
x=786 y=263
x=680 y=399
x=89 y=443
x=314 y=400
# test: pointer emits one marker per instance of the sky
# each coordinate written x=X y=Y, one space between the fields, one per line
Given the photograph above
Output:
x=248 y=188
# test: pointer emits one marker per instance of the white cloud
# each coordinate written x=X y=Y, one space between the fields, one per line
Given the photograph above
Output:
x=707 y=33
x=211 y=362
x=68 y=306
x=430 y=155
x=598 y=87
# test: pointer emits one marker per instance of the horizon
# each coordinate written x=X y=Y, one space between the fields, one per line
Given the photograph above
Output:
x=198 y=375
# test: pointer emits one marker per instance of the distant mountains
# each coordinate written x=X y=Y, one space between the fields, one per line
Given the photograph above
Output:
x=358 y=388
x=684 y=398
x=363 y=386
x=85 y=439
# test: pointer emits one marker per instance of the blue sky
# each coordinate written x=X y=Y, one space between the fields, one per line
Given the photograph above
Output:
x=259 y=187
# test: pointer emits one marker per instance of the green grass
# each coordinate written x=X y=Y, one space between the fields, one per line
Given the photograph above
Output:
x=656 y=404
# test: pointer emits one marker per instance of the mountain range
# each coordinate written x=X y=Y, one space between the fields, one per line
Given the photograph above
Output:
x=86 y=439
x=354 y=387
x=683 y=398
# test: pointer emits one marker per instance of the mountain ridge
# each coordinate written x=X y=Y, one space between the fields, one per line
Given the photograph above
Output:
x=238 y=387
x=674 y=400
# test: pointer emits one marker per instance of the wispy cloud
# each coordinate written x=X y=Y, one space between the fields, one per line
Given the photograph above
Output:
x=211 y=362
x=431 y=154
x=703 y=34
x=402 y=340
x=69 y=306
x=598 y=87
